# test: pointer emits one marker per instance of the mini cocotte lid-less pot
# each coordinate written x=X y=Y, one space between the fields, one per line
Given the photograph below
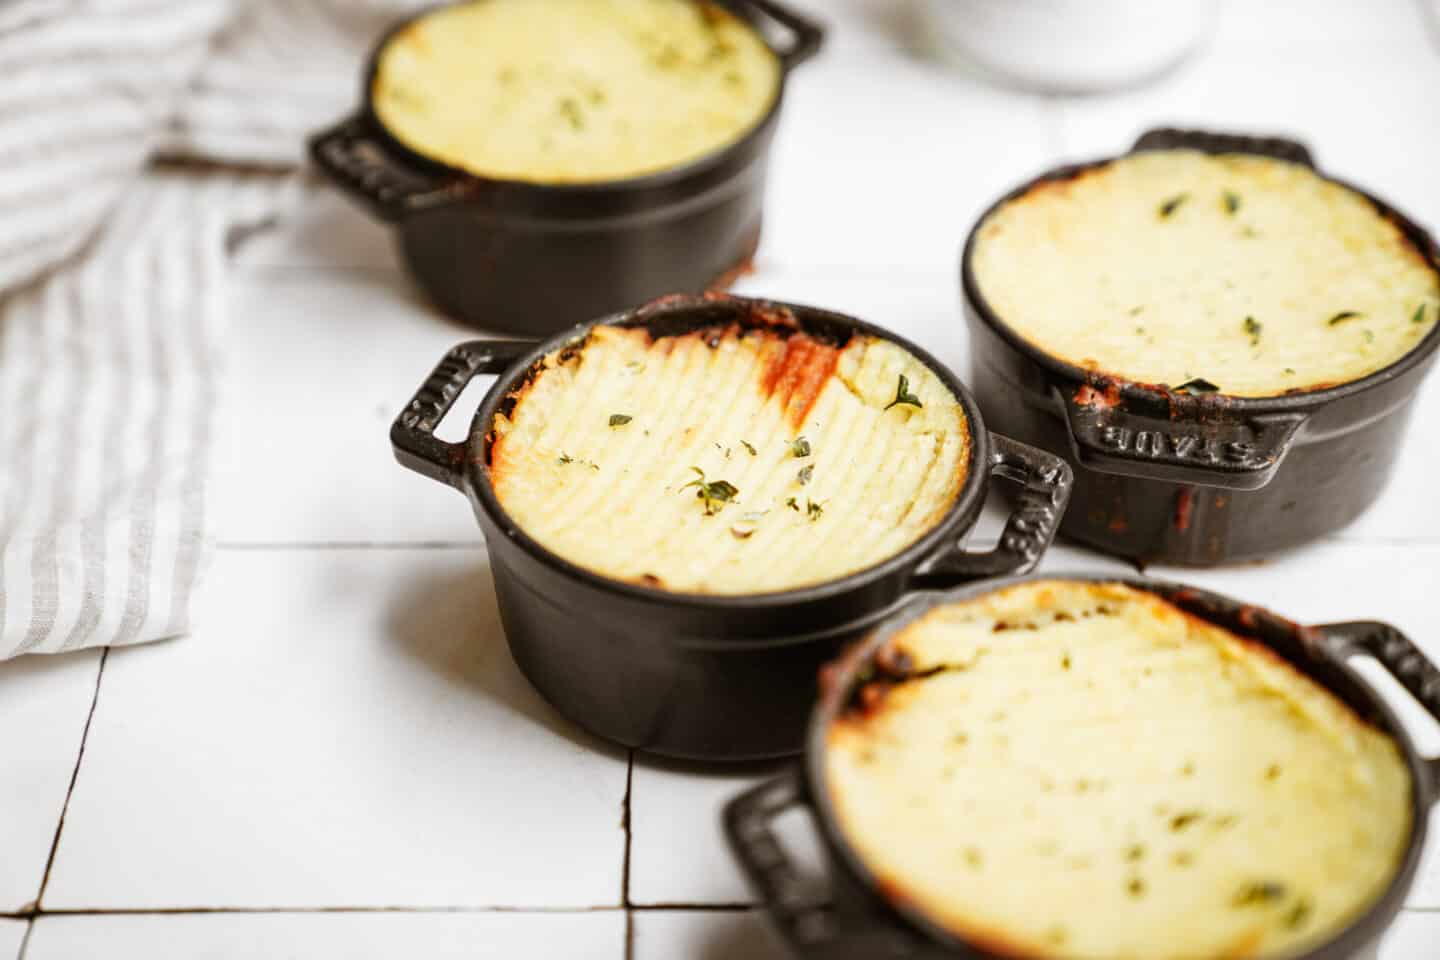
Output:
x=1150 y=431
x=707 y=677
x=858 y=921
x=533 y=258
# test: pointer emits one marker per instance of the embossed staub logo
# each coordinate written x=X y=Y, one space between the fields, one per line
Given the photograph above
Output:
x=1183 y=447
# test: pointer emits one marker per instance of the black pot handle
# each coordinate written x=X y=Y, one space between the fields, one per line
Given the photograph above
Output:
x=806 y=924
x=413 y=434
x=807 y=35
x=1170 y=138
x=1210 y=450
x=1045 y=481
x=1402 y=659
x=361 y=163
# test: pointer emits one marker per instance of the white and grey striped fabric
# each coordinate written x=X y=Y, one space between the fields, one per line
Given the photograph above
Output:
x=112 y=281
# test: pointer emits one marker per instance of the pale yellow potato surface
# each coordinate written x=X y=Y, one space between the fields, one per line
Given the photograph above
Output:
x=1166 y=266
x=574 y=91
x=1095 y=774
x=615 y=500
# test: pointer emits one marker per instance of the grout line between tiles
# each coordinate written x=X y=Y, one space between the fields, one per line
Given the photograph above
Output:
x=239 y=545
x=694 y=907
x=70 y=790
x=33 y=915
x=25 y=939
x=625 y=820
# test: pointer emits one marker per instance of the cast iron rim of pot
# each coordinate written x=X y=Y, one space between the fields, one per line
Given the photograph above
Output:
x=701 y=676
x=860 y=921
x=1154 y=442
x=489 y=250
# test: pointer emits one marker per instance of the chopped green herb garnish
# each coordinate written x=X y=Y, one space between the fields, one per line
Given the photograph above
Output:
x=1344 y=315
x=800 y=447
x=1197 y=386
x=1232 y=202
x=714 y=493
x=620 y=419
x=1369 y=336
x=635 y=366
x=747 y=446
x=903 y=394
x=813 y=509
x=1135 y=853
x=1182 y=820
x=564 y=458
x=1168 y=208
x=805 y=474
x=1419 y=316
x=1265 y=891
x=1290 y=371
x=1253 y=327
x=792 y=504
x=1136 y=311
x=1298 y=914
x=1136 y=887
x=570 y=110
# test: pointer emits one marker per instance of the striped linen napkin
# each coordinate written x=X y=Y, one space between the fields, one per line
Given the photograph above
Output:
x=112 y=271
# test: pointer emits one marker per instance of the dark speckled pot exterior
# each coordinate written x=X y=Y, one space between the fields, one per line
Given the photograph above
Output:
x=532 y=259
x=696 y=676
x=855 y=921
x=1251 y=476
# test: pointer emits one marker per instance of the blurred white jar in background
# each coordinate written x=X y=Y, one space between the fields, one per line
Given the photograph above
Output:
x=1068 y=46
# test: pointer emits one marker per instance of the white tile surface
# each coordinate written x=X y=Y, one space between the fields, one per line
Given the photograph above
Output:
x=43 y=705
x=473 y=936
x=347 y=729
x=705 y=935
x=1414 y=936
x=677 y=850
x=884 y=160
x=305 y=451
x=12 y=935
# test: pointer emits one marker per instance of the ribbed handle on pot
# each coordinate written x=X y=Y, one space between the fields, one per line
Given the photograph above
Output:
x=360 y=162
x=413 y=434
x=806 y=34
x=806 y=925
x=1045 y=482
x=1403 y=660
x=1171 y=138
x=1213 y=448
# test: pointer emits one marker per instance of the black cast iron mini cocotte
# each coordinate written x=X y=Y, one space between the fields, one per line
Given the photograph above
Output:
x=691 y=675
x=1162 y=475
x=534 y=258
x=855 y=920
